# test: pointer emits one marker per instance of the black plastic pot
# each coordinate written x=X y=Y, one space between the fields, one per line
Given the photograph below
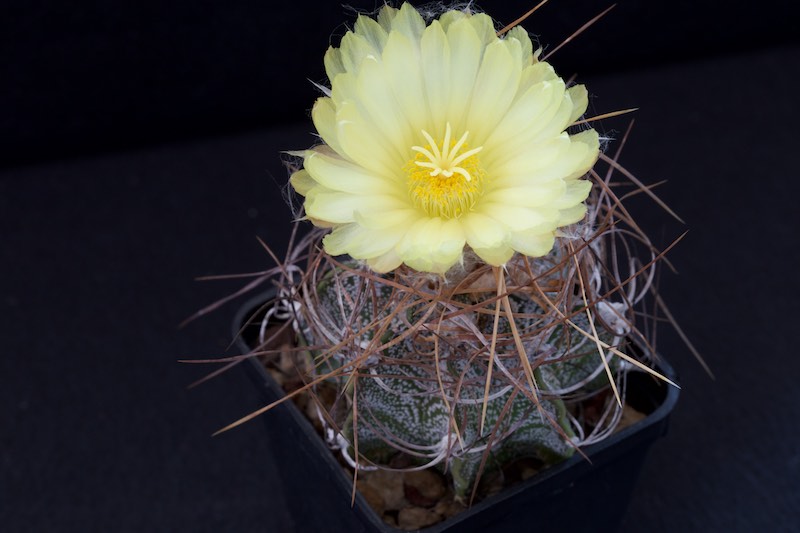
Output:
x=576 y=495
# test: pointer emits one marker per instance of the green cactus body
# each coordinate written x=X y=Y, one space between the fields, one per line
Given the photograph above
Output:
x=424 y=395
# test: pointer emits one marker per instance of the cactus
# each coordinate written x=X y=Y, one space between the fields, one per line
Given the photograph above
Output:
x=410 y=356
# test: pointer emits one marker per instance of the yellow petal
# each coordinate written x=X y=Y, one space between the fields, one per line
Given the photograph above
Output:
x=302 y=182
x=435 y=55
x=484 y=232
x=343 y=89
x=323 y=114
x=355 y=49
x=576 y=192
x=484 y=28
x=465 y=57
x=380 y=220
x=529 y=113
x=386 y=262
x=520 y=218
x=450 y=17
x=495 y=256
x=572 y=215
x=372 y=31
x=337 y=174
x=532 y=243
x=526 y=167
x=333 y=62
x=495 y=87
x=340 y=207
x=409 y=22
x=379 y=103
x=385 y=17
x=540 y=194
x=591 y=141
x=534 y=74
x=519 y=33
x=580 y=101
x=432 y=245
x=549 y=115
x=558 y=122
x=361 y=243
x=568 y=164
x=363 y=143
x=401 y=67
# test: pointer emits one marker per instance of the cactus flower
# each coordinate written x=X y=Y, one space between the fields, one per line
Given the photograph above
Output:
x=440 y=136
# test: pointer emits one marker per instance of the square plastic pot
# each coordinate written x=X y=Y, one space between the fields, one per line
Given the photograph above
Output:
x=575 y=495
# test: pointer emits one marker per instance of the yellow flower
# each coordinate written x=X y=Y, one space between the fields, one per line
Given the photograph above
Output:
x=439 y=136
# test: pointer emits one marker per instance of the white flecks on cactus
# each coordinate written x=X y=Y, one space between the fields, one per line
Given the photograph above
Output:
x=412 y=386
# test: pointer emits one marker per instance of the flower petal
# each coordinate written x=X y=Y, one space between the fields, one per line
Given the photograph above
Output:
x=495 y=87
x=535 y=74
x=450 y=17
x=372 y=31
x=323 y=114
x=409 y=22
x=572 y=215
x=519 y=33
x=361 y=243
x=527 y=116
x=580 y=101
x=401 y=67
x=483 y=232
x=526 y=167
x=435 y=55
x=432 y=245
x=520 y=218
x=363 y=143
x=340 y=207
x=379 y=220
x=590 y=142
x=378 y=100
x=333 y=62
x=532 y=243
x=337 y=174
x=302 y=182
x=386 y=262
x=465 y=58
x=497 y=256
x=540 y=194
x=575 y=193
x=484 y=28
x=386 y=15
x=354 y=50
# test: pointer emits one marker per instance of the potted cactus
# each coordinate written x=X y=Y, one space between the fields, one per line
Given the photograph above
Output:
x=472 y=298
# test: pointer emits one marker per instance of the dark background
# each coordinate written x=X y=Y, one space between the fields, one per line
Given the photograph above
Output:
x=80 y=77
x=140 y=149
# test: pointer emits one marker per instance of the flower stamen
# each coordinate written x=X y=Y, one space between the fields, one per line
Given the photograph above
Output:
x=443 y=182
x=442 y=162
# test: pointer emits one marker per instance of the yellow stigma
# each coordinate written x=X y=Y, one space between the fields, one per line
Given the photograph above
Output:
x=442 y=182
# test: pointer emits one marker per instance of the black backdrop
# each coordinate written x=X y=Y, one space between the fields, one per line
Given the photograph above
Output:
x=78 y=77
x=140 y=148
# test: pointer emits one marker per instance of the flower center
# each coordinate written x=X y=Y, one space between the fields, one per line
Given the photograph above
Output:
x=445 y=179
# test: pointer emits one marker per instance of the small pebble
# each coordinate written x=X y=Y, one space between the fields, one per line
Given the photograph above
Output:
x=373 y=497
x=411 y=518
x=448 y=507
x=389 y=485
x=423 y=487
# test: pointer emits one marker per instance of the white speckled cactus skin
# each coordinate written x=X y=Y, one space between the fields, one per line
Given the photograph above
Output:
x=414 y=381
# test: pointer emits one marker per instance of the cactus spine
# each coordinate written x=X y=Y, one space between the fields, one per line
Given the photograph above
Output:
x=411 y=356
